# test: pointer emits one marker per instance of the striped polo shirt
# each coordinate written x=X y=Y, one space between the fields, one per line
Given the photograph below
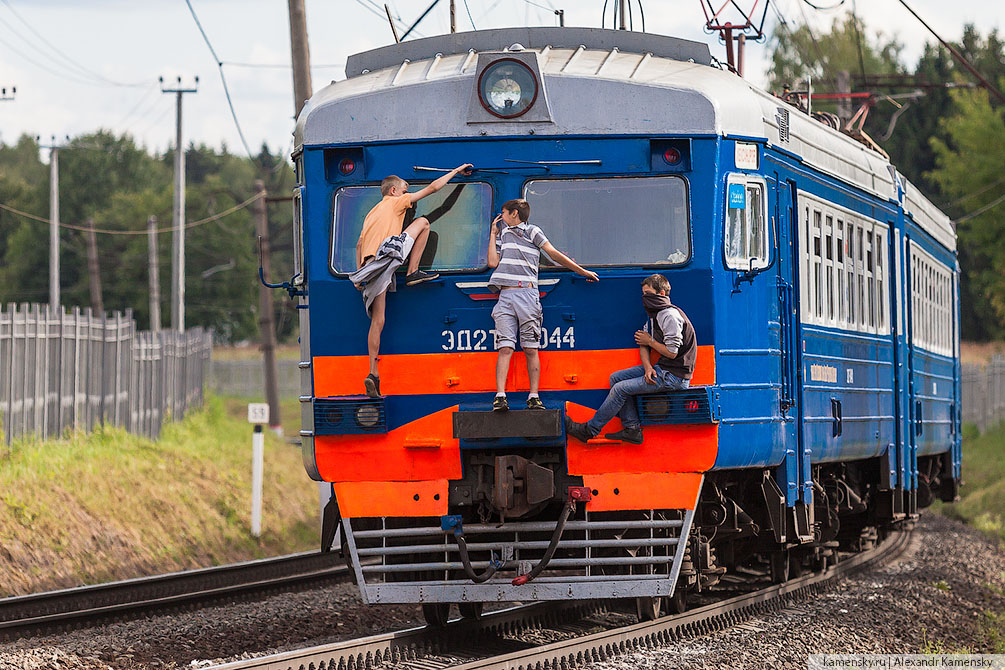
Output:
x=519 y=249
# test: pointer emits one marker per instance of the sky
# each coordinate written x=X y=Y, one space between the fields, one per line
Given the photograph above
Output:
x=81 y=65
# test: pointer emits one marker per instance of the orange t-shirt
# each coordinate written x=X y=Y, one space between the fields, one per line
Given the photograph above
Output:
x=381 y=222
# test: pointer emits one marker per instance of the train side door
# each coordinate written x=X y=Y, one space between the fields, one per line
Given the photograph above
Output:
x=795 y=474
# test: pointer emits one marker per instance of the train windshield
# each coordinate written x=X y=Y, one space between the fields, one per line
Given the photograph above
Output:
x=457 y=240
x=614 y=221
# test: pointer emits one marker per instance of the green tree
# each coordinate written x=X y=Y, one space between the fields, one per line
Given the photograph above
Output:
x=969 y=168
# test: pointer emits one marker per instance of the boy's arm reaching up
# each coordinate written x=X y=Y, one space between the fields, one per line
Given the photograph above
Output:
x=440 y=183
x=567 y=262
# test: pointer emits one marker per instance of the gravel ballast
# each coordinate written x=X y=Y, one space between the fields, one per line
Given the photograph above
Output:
x=935 y=594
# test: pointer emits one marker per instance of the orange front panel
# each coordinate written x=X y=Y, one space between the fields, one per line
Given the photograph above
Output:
x=648 y=490
x=474 y=372
x=361 y=499
x=421 y=450
x=672 y=448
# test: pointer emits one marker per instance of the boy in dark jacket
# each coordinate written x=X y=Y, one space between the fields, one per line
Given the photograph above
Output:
x=669 y=333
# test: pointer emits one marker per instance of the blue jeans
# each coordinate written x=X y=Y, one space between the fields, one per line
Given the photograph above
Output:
x=624 y=385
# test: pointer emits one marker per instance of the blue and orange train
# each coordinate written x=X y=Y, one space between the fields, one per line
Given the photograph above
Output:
x=822 y=286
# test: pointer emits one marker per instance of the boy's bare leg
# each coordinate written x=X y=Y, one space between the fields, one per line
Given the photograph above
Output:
x=533 y=369
x=502 y=368
x=376 y=326
x=418 y=230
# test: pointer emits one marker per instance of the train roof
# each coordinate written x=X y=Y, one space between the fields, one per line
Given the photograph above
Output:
x=663 y=85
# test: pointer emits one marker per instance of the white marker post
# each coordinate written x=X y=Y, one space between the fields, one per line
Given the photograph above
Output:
x=258 y=414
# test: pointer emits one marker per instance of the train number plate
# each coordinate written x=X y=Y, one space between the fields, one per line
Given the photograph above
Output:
x=483 y=340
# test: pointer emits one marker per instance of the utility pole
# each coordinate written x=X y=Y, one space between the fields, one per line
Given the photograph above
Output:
x=624 y=12
x=53 y=223
x=93 y=270
x=560 y=13
x=178 y=214
x=154 y=272
x=265 y=312
x=301 y=54
x=453 y=16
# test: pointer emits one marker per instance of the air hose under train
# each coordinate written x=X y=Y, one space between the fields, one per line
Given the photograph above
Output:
x=453 y=523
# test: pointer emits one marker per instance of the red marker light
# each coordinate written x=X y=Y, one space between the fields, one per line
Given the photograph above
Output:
x=692 y=406
x=671 y=156
x=347 y=166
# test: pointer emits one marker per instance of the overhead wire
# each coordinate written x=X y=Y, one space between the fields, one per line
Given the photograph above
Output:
x=824 y=9
x=978 y=212
x=858 y=39
x=988 y=85
x=977 y=192
x=152 y=89
x=223 y=78
x=105 y=231
x=68 y=61
x=468 y=10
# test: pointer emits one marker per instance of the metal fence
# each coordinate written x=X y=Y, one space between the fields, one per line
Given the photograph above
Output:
x=75 y=370
x=247 y=378
x=984 y=393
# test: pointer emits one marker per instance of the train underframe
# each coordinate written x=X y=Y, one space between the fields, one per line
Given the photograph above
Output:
x=518 y=528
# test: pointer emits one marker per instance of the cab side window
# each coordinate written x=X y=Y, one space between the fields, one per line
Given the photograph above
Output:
x=746 y=236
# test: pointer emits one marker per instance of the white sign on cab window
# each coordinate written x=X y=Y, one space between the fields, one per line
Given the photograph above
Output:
x=258 y=412
x=745 y=156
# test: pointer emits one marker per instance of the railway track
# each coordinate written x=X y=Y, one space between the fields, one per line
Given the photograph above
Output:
x=22 y=616
x=511 y=639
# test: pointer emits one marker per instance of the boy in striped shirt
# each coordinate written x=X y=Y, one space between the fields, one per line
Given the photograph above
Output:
x=515 y=254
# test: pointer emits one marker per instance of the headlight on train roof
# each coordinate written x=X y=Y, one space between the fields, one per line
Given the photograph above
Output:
x=507 y=88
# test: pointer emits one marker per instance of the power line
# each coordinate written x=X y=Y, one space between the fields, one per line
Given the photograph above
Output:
x=468 y=10
x=281 y=66
x=978 y=212
x=223 y=78
x=824 y=9
x=168 y=229
x=991 y=89
x=72 y=62
x=977 y=192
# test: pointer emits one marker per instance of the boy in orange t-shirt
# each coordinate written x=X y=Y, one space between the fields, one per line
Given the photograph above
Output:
x=383 y=237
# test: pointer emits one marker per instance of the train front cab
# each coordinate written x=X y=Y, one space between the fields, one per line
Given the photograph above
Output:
x=429 y=462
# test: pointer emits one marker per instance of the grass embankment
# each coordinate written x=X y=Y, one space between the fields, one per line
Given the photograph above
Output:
x=982 y=504
x=110 y=505
x=982 y=497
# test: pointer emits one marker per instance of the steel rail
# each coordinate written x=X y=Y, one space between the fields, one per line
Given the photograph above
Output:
x=412 y=644
x=21 y=616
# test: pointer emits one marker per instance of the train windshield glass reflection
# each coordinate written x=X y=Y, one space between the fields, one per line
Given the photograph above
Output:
x=614 y=221
x=457 y=240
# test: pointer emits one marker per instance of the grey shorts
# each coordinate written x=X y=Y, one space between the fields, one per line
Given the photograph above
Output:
x=518 y=312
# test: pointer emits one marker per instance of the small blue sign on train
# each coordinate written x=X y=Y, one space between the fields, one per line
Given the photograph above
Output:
x=737 y=196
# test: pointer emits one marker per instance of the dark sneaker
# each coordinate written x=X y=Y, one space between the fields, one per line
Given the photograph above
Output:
x=420 y=276
x=580 y=431
x=534 y=403
x=630 y=435
x=372 y=384
x=500 y=404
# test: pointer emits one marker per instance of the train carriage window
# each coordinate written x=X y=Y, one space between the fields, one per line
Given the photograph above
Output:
x=881 y=297
x=850 y=270
x=840 y=270
x=746 y=236
x=614 y=221
x=829 y=264
x=457 y=239
x=817 y=283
